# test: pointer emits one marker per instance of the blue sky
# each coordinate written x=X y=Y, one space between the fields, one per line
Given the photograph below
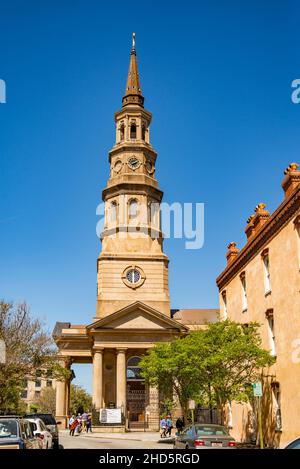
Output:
x=217 y=77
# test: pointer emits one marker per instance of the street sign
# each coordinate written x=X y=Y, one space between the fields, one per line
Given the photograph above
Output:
x=192 y=404
x=257 y=389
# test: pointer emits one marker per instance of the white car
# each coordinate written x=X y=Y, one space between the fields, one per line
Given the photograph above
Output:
x=42 y=433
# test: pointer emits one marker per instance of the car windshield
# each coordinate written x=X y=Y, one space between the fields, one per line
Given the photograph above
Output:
x=8 y=428
x=206 y=430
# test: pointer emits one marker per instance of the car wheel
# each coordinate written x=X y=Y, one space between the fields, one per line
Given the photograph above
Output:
x=187 y=447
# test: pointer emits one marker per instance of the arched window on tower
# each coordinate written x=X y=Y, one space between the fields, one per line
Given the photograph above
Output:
x=133 y=209
x=153 y=213
x=113 y=211
x=133 y=131
x=122 y=132
x=143 y=132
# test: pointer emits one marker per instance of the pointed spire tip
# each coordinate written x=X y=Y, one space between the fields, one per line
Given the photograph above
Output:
x=133 y=43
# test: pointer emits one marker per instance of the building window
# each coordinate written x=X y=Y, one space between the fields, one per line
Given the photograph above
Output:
x=224 y=299
x=143 y=132
x=133 y=131
x=297 y=227
x=153 y=213
x=38 y=383
x=133 y=209
x=266 y=263
x=270 y=319
x=122 y=132
x=277 y=406
x=37 y=394
x=113 y=211
x=24 y=394
x=49 y=383
x=244 y=292
x=133 y=369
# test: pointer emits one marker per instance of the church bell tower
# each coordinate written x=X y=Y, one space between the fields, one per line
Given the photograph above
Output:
x=132 y=265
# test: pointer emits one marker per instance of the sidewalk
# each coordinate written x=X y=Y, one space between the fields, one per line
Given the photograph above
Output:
x=131 y=436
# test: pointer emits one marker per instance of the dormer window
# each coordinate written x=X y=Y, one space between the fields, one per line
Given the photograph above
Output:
x=133 y=131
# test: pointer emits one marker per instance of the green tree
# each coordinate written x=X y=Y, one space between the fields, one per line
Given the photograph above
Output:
x=28 y=348
x=46 y=401
x=215 y=365
x=80 y=400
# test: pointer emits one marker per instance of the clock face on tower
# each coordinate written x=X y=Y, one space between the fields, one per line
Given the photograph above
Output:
x=149 y=167
x=133 y=163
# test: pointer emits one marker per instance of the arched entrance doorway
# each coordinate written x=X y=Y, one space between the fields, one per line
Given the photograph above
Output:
x=136 y=395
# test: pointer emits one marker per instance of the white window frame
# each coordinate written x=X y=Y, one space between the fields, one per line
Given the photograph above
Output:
x=225 y=309
x=267 y=276
x=270 y=319
x=244 y=292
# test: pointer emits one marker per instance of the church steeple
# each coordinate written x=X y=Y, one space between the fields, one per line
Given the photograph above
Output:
x=132 y=265
x=133 y=92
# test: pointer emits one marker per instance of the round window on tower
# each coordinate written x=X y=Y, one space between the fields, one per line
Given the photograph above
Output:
x=133 y=276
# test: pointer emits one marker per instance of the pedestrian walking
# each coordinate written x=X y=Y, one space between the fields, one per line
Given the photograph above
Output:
x=89 y=423
x=163 y=427
x=84 y=420
x=179 y=425
x=169 y=425
x=73 y=425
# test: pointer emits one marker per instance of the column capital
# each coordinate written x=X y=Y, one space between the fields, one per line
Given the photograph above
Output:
x=121 y=350
x=65 y=362
x=98 y=350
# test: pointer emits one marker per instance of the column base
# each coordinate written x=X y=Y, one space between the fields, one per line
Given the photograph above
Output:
x=63 y=419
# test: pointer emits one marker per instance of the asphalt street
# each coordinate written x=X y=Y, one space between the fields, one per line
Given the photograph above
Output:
x=85 y=442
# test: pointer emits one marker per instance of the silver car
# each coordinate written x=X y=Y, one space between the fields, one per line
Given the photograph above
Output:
x=204 y=436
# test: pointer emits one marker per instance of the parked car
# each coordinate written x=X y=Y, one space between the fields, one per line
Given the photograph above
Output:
x=204 y=436
x=42 y=433
x=295 y=444
x=51 y=425
x=16 y=433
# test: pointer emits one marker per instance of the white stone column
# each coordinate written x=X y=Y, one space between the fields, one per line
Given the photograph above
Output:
x=121 y=379
x=98 y=378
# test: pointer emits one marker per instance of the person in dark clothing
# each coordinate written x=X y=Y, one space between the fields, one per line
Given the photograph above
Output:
x=179 y=425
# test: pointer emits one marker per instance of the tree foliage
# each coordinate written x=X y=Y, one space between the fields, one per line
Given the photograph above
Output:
x=214 y=365
x=80 y=400
x=28 y=348
x=46 y=401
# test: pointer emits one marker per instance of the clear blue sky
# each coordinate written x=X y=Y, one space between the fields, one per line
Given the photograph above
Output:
x=217 y=77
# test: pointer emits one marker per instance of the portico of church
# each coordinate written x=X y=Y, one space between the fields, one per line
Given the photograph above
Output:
x=114 y=345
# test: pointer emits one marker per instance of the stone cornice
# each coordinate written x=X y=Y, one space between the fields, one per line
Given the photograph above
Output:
x=284 y=213
x=131 y=188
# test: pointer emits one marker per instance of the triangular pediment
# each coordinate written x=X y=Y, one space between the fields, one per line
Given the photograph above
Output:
x=137 y=316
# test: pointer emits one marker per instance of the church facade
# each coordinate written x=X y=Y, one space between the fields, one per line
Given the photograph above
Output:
x=133 y=303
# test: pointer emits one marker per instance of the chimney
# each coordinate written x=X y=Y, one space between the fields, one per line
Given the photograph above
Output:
x=260 y=217
x=249 y=230
x=231 y=253
x=291 y=179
